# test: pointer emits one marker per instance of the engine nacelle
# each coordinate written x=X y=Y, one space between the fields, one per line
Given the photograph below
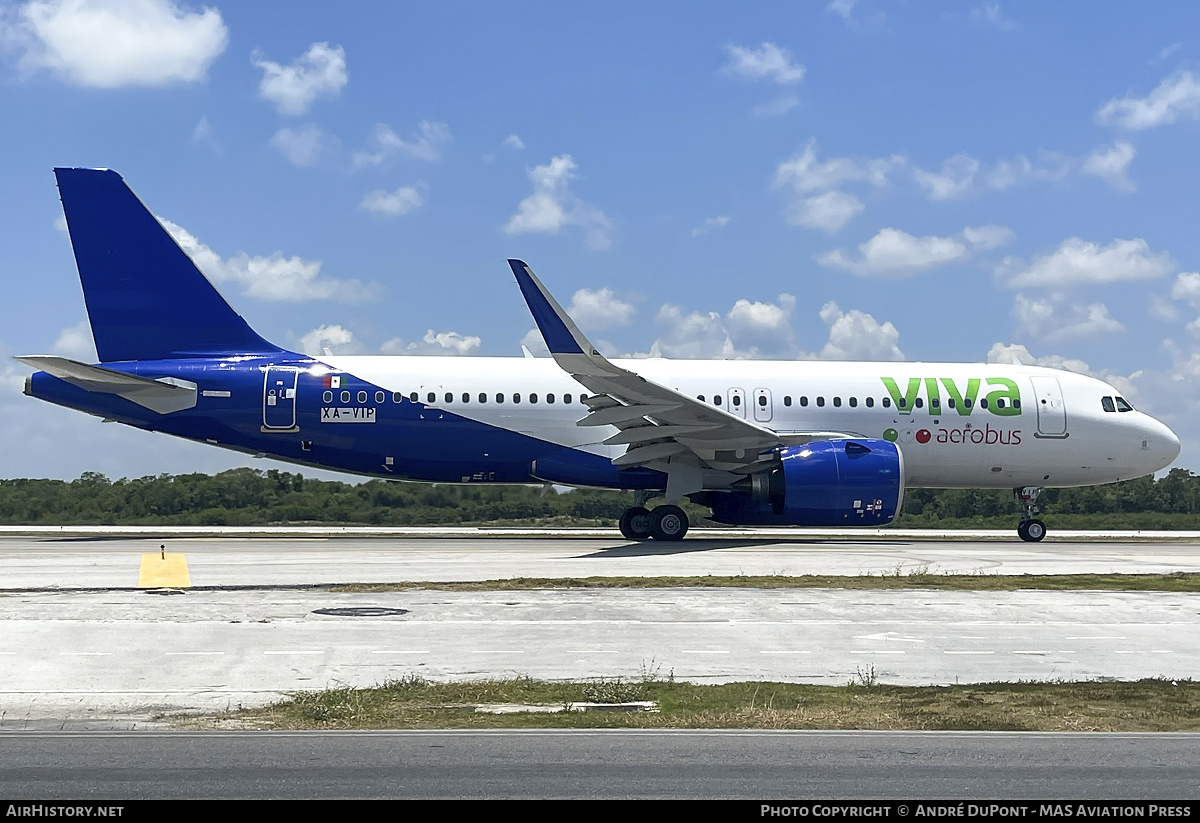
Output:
x=850 y=482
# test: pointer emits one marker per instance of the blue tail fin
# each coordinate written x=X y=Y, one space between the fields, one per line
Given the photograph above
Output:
x=146 y=299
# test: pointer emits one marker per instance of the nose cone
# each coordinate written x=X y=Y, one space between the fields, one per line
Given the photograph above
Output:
x=1159 y=444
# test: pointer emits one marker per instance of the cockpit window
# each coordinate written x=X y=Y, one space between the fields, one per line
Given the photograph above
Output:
x=1123 y=406
x=1107 y=403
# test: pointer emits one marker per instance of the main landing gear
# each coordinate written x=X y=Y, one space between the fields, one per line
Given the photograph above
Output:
x=666 y=522
x=1030 y=529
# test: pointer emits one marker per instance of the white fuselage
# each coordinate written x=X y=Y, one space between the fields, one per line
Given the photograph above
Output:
x=958 y=425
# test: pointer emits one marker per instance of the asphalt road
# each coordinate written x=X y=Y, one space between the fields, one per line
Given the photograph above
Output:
x=598 y=764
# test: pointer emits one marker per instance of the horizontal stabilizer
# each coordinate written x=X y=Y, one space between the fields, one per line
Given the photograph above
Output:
x=165 y=395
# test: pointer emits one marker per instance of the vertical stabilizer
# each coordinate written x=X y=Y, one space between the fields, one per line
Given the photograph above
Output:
x=146 y=300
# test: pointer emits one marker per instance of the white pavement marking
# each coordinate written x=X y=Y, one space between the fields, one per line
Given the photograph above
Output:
x=401 y=651
x=201 y=654
x=296 y=651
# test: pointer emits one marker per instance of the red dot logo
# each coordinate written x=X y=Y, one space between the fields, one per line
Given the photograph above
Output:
x=923 y=436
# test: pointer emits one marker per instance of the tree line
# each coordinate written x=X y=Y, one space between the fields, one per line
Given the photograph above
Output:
x=251 y=497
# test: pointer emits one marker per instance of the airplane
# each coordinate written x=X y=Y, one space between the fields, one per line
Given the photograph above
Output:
x=785 y=443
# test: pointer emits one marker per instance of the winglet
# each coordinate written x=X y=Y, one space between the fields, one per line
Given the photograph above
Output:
x=559 y=331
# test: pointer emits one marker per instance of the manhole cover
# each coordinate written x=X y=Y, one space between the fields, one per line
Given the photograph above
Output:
x=362 y=611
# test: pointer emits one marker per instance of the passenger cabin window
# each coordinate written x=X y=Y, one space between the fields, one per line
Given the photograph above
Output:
x=413 y=397
x=787 y=400
x=737 y=400
x=1016 y=402
x=934 y=402
x=821 y=401
x=1122 y=406
x=499 y=397
x=380 y=397
x=482 y=397
x=327 y=397
x=533 y=398
x=566 y=398
x=362 y=397
x=550 y=398
x=999 y=403
x=762 y=400
x=716 y=399
x=430 y=397
x=516 y=397
x=853 y=402
x=837 y=401
x=870 y=402
x=345 y=397
x=700 y=397
x=1107 y=403
x=887 y=402
x=397 y=397
x=950 y=402
x=466 y=397
x=803 y=400
x=919 y=402
x=983 y=404
x=449 y=397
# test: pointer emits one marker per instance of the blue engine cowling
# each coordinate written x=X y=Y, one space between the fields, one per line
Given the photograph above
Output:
x=850 y=482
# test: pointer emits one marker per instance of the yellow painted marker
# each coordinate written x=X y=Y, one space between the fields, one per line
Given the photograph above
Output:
x=166 y=571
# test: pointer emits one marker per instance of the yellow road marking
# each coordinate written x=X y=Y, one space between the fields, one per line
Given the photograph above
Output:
x=164 y=571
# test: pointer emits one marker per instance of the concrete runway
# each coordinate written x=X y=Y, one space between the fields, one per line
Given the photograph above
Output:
x=79 y=641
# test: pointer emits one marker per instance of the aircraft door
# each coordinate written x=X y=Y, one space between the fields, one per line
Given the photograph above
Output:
x=736 y=400
x=279 y=398
x=762 y=405
x=1051 y=410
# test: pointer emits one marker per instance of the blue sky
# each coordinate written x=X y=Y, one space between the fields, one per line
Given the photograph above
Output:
x=848 y=180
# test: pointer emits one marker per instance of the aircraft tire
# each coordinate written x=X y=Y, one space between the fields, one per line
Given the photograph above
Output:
x=1033 y=531
x=668 y=523
x=635 y=523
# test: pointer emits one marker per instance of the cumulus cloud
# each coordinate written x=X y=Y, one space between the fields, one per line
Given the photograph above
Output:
x=273 y=277
x=829 y=212
x=767 y=62
x=963 y=175
x=513 y=142
x=749 y=329
x=1076 y=262
x=319 y=72
x=856 y=335
x=338 y=339
x=393 y=203
x=805 y=173
x=710 y=223
x=1111 y=164
x=953 y=181
x=553 y=206
x=427 y=143
x=1053 y=318
x=754 y=329
x=114 y=43
x=1175 y=97
x=303 y=146
x=895 y=253
x=446 y=342
x=76 y=343
x=817 y=198
x=598 y=309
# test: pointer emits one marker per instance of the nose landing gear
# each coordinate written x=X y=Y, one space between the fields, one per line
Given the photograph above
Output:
x=1030 y=529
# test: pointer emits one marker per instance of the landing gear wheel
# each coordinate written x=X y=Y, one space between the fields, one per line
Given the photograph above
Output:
x=668 y=523
x=1031 y=531
x=635 y=523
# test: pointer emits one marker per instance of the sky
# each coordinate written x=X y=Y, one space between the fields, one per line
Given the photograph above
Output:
x=856 y=179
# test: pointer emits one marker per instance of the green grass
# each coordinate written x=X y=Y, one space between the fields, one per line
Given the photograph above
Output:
x=414 y=703
x=900 y=579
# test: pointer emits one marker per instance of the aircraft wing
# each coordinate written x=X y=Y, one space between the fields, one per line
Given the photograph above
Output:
x=165 y=395
x=657 y=423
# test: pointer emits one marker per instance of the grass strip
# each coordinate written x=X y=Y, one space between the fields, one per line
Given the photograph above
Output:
x=414 y=703
x=1173 y=582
